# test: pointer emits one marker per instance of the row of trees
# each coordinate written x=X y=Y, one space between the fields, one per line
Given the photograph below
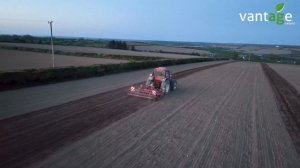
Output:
x=19 y=39
x=57 y=40
x=113 y=44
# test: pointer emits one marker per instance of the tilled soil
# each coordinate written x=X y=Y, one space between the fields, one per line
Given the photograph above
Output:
x=289 y=72
x=220 y=117
x=25 y=100
x=28 y=138
x=289 y=103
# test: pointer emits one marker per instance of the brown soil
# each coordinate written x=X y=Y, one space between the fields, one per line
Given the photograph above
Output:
x=220 y=117
x=30 y=137
x=291 y=73
x=288 y=100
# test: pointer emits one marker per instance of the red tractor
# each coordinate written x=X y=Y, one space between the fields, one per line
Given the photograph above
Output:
x=159 y=83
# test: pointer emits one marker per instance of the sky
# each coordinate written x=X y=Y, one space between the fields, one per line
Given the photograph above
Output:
x=215 y=21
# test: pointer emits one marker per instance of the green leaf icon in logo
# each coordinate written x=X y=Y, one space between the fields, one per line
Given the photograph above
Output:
x=279 y=7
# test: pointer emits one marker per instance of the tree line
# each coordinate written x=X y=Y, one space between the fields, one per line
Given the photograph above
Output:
x=85 y=42
x=114 y=44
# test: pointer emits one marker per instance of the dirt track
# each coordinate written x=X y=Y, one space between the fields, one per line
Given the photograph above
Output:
x=220 y=117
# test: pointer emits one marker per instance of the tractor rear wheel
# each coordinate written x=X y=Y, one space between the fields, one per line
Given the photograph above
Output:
x=174 y=85
x=166 y=86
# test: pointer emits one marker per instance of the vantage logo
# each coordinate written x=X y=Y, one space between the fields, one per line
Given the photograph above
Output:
x=278 y=17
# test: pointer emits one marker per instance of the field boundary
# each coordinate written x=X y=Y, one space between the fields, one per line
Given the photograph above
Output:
x=33 y=77
x=288 y=100
x=83 y=54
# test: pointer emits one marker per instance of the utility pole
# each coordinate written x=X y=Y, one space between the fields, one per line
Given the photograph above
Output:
x=53 y=59
x=249 y=57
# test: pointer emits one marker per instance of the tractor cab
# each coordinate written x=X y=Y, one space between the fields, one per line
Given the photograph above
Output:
x=160 y=74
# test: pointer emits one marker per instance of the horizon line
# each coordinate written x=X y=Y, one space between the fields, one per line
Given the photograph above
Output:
x=143 y=40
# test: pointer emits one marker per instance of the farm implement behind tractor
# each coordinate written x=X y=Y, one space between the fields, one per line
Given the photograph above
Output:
x=145 y=92
x=159 y=83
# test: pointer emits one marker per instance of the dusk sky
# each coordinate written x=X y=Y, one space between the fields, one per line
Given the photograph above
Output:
x=169 y=20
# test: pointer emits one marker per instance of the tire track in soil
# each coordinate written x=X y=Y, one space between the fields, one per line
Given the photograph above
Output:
x=145 y=137
x=254 y=144
x=231 y=135
x=209 y=121
x=288 y=100
x=30 y=137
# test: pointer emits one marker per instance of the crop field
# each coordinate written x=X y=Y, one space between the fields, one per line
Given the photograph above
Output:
x=259 y=49
x=158 y=48
x=223 y=114
x=11 y=60
x=98 y=50
x=263 y=50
